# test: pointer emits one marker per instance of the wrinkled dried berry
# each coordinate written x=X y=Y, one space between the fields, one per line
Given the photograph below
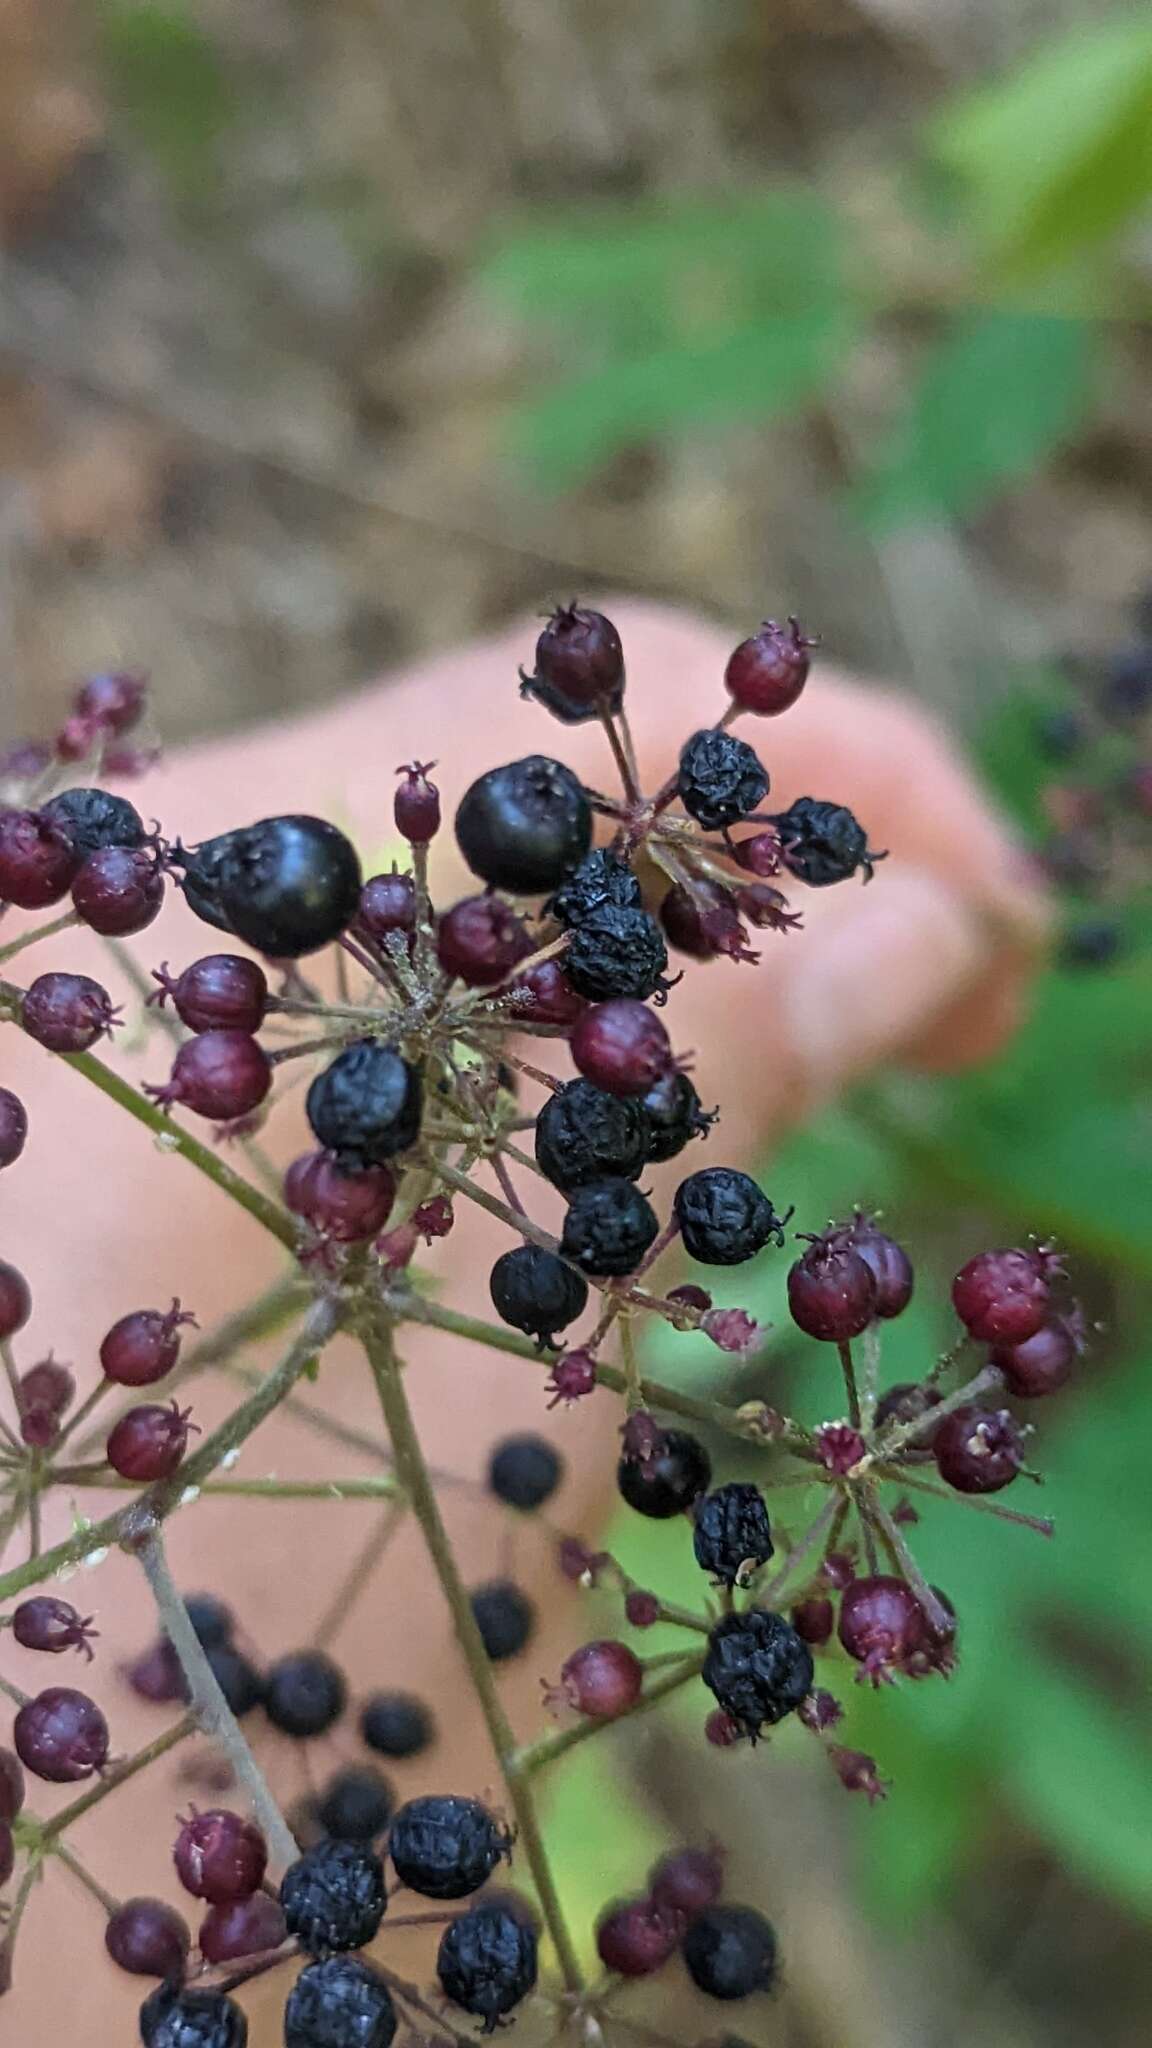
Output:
x=822 y=843
x=365 y=1107
x=615 y=951
x=334 y=1897
x=445 y=1846
x=675 y=1116
x=724 y=1217
x=758 y=1668
x=608 y=1227
x=92 y=818
x=172 y=2018
x=732 y=1534
x=598 y=879
x=721 y=778
x=487 y=1963
x=341 y=2002
x=584 y=1134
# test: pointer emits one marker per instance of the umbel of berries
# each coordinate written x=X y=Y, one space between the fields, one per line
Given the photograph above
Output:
x=758 y=1668
x=334 y=1897
x=445 y=1846
x=732 y=1535
x=487 y=1962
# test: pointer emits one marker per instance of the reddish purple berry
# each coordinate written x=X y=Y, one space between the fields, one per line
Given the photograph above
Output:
x=978 y=1450
x=144 y=1345
x=387 y=904
x=114 y=701
x=149 y=1442
x=480 y=940
x=579 y=660
x=838 y=1569
x=67 y=1012
x=243 y=1927
x=13 y=1127
x=45 y=1623
x=641 y=1609
x=621 y=1046
x=11 y=1785
x=156 y=1675
x=888 y=1262
x=813 y=1621
x=767 y=673
x=220 y=1074
x=76 y=738
x=37 y=860
x=687 y=1881
x=1003 y=1297
x=435 y=1217
x=759 y=855
x=220 y=1856
x=221 y=992
x=704 y=922
x=348 y=1207
x=831 y=1292
x=1044 y=1363
x=882 y=1625
x=46 y=1392
x=601 y=1680
x=722 y=1730
x=637 y=1936
x=15 y=1300
x=545 y=996
x=61 y=1735
x=118 y=891
x=148 y=1938
x=416 y=805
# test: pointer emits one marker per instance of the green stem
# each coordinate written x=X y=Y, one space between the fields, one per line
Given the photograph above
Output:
x=939 y=1619
x=409 y=1456
x=118 y=1774
x=1042 y=1524
x=988 y=1380
x=848 y=1368
x=40 y=931
x=71 y=1861
x=535 y=1756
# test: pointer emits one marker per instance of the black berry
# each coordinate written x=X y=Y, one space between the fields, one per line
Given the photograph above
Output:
x=730 y=1952
x=92 y=818
x=445 y=1846
x=172 y=2018
x=356 y=1804
x=524 y=1471
x=615 y=951
x=240 y=1682
x=667 y=1483
x=721 y=778
x=487 y=1963
x=758 y=1668
x=341 y=2002
x=724 y=1217
x=608 y=1227
x=822 y=842
x=521 y=827
x=288 y=885
x=334 y=1897
x=148 y=1938
x=598 y=879
x=305 y=1693
x=396 y=1724
x=535 y=1291
x=505 y=1618
x=202 y=869
x=675 y=1116
x=213 y=1622
x=365 y=1107
x=584 y=1134
x=732 y=1532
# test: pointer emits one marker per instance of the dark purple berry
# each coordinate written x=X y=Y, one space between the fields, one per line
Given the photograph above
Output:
x=1044 y=1363
x=240 y=1682
x=288 y=885
x=416 y=805
x=305 y=1694
x=505 y=1617
x=11 y=1785
x=15 y=1300
x=599 y=878
x=978 y=1450
x=600 y=1680
x=220 y=992
x=243 y=1927
x=668 y=1482
x=908 y=1402
x=831 y=1292
x=149 y=1442
x=7 y=1853
x=721 y=778
x=687 y=1881
x=480 y=940
x=67 y=1012
x=334 y=1897
x=544 y=995
x=45 y=1623
x=348 y=1207
x=119 y=890
x=732 y=1535
x=608 y=1227
x=522 y=826
x=147 y=1938
x=220 y=1856
x=387 y=905
x=579 y=659
x=115 y=701
x=220 y=1074
x=213 y=1622
x=583 y=1134
x=47 y=1390
x=888 y=1262
x=675 y=1116
x=365 y=1107
x=616 y=951
x=767 y=673
x=341 y=2002
x=37 y=860
x=621 y=1047
x=730 y=1952
x=156 y=1675
x=634 y=1937
x=536 y=1292
x=724 y=1217
x=704 y=922
x=13 y=1127
x=444 y=1846
x=174 y=2018
x=144 y=1345
x=1003 y=1297
x=813 y=1621
x=61 y=1735
x=641 y=1609
x=487 y=1962
x=524 y=1471
x=356 y=1804
x=882 y=1625
x=396 y=1724
x=93 y=818
x=758 y=1668
x=822 y=843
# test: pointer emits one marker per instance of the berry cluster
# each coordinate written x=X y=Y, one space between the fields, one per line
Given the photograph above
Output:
x=419 y=1099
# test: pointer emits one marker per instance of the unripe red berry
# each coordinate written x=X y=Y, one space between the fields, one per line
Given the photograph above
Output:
x=220 y=992
x=143 y=1346
x=691 y=1296
x=831 y=1292
x=220 y=1074
x=890 y=1266
x=601 y=1679
x=37 y=860
x=220 y=1856
x=977 y=1450
x=621 y=1046
x=435 y=1217
x=61 y=1735
x=115 y=701
x=636 y=1936
x=13 y=1127
x=579 y=657
x=45 y=1623
x=704 y=922
x=480 y=940
x=1003 y=1297
x=687 y=1881
x=813 y=1621
x=882 y=1625
x=15 y=1300
x=118 y=890
x=387 y=904
x=767 y=673
x=347 y=1207
x=641 y=1609
x=243 y=1927
x=67 y=1012
x=149 y=1442
x=416 y=806
x=759 y=855
x=11 y=1785
x=148 y=1938
x=1044 y=1363
x=545 y=996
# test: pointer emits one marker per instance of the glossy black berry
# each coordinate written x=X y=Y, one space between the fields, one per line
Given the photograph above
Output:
x=147 y=1938
x=823 y=843
x=365 y=1107
x=238 y=1678
x=675 y=1116
x=730 y=1952
x=356 y=1804
x=524 y=1471
x=670 y=1481
x=289 y=885
x=616 y=951
x=173 y=2018
x=721 y=778
x=725 y=1217
x=732 y=1532
x=341 y=2002
x=305 y=1693
x=536 y=1292
x=608 y=1227
x=580 y=661
x=584 y=1134
x=487 y=1963
x=396 y=1724
x=522 y=826
x=92 y=818
x=334 y=1897
x=758 y=1668
x=505 y=1618
x=445 y=1846
x=201 y=872
x=599 y=878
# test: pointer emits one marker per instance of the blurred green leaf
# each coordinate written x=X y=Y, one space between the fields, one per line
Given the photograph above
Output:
x=994 y=398
x=168 y=82
x=1058 y=155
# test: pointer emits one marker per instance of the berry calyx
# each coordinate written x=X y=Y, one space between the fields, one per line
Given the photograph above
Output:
x=61 y=1735
x=416 y=804
x=978 y=1450
x=480 y=940
x=704 y=922
x=572 y=1378
x=147 y=1938
x=522 y=826
x=220 y=1856
x=445 y=1846
x=857 y=1772
x=219 y=1074
x=831 y=1292
x=67 y=1012
x=666 y=1483
x=635 y=1937
x=149 y=1442
x=144 y=1346
x=599 y=1680
x=51 y=1625
x=758 y=855
x=1003 y=1297
x=118 y=890
x=767 y=672
x=621 y=1047
x=220 y=992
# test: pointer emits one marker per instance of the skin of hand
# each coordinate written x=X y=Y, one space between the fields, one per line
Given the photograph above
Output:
x=927 y=965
